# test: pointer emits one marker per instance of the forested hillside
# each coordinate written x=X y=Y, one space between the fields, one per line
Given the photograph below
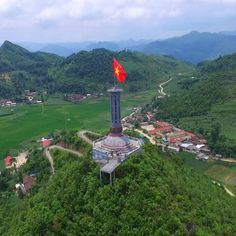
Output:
x=196 y=97
x=84 y=72
x=26 y=70
x=153 y=194
x=92 y=71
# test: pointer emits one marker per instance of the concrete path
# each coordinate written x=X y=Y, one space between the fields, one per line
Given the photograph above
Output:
x=66 y=150
x=82 y=135
x=161 y=90
x=229 y=192
x=227 y=160
x=225 y=188
x=151 y=139
x=50 y=158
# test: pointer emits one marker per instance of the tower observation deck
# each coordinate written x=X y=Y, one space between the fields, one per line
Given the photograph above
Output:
x=115 y=147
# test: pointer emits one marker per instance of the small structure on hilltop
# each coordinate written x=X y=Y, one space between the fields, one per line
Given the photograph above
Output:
x=45 y=142
x=27 y=184
x=8 y=161
x=111 y=150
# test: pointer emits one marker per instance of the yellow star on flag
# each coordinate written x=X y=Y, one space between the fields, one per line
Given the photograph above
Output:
x=117 y=72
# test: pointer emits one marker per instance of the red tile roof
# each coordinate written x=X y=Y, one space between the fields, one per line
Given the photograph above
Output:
x=46 y=142
x=160 y=130
x=8 y=160
x=162 y=124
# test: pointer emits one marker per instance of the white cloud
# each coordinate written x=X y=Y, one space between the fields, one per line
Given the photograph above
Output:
x=59 y=20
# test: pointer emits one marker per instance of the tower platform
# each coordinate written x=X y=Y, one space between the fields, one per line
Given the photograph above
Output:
x=114 y=146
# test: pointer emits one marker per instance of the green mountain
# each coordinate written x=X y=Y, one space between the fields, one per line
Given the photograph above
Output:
x=27 y=70
x=193 y=47
x=84 y=72
x=153 y=194
x=206 y=103
x=14 y=57
x=92 y=71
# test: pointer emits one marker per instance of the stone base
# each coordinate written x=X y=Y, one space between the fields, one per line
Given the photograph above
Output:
x=111 y=146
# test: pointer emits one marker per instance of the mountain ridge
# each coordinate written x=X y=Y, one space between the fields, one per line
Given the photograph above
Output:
x=192 y=47
x=82 y=72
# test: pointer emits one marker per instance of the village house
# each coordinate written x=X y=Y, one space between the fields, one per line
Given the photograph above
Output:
x=7 y=103
x=75 y=97
x=45 y=142
x=8 y=161
x=27 y=184
x=150 y=116
x=5 y=76
x=202 y=156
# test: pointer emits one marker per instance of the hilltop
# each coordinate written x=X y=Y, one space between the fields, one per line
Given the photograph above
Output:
x=14 y=57
x=152 y=194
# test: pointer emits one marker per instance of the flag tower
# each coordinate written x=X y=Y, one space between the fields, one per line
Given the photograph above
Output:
x=114 y=148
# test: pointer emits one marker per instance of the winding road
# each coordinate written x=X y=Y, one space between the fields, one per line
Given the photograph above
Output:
x=161 y=90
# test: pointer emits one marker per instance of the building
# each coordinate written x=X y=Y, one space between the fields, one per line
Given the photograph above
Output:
x=45 y=142
x=114 y=148
x=28 y=182
x=161 y=130
x=8 y=161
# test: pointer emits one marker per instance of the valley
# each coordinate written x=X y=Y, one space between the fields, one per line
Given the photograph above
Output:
x=30 y=122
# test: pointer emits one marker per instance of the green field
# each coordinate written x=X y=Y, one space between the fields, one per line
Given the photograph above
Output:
x=220 y=171
x=28 y=122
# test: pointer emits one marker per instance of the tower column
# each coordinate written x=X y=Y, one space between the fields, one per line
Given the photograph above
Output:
x=116 y=127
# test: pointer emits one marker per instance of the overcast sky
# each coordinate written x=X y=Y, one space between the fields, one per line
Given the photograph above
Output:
x=87 y=20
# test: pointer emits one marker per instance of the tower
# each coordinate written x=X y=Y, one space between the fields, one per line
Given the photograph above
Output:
x=116 y=145
x=116 y=127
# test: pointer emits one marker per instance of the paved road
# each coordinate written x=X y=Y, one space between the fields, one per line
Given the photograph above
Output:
x=227 y=160
x=161 y=90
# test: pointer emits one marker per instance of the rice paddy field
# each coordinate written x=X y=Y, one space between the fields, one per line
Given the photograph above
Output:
x=20 y=124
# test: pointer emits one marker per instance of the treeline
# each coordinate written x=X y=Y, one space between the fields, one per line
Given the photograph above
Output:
x=152 y=194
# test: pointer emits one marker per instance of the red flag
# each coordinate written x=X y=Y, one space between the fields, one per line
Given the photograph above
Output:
x=119 y=72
